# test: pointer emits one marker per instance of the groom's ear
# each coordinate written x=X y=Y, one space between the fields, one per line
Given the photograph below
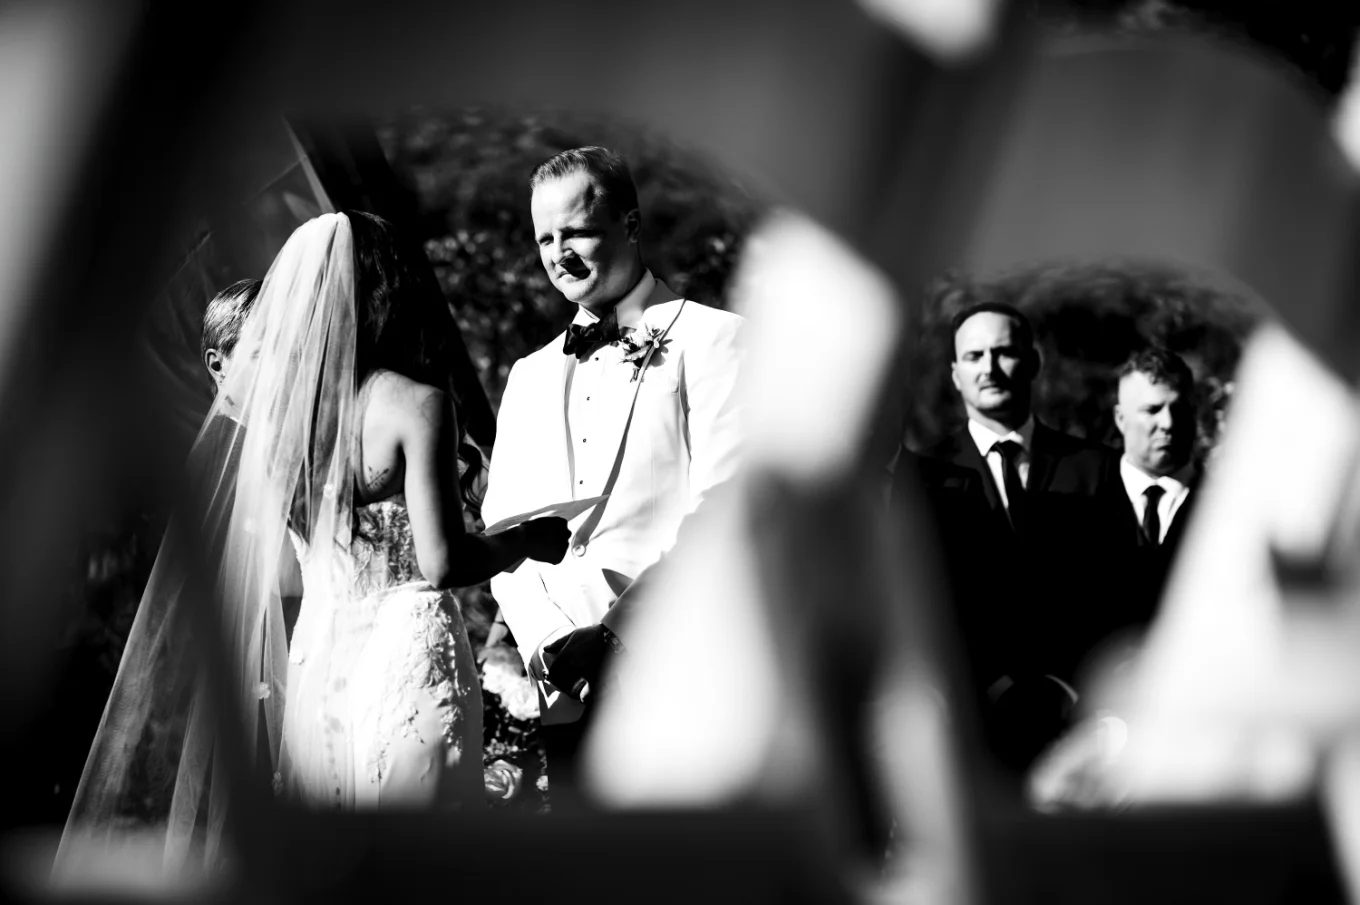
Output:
x=632 y=225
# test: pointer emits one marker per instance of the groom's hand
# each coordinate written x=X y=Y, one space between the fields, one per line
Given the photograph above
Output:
x=578 y=659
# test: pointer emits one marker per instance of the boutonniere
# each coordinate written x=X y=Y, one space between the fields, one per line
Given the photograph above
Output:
x=640 y=345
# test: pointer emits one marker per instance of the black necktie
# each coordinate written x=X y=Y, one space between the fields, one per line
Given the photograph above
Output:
x=584 y=340
x=1152 y=523
x=1010 y=474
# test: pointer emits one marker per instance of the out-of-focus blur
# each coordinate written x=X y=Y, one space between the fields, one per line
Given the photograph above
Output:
x=796 y=709
x=949 y=30
x=58 y=61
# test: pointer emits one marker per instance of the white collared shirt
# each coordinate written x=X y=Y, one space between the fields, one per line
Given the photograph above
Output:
x=589 y=376
x=1175 y=487
x=987 y=440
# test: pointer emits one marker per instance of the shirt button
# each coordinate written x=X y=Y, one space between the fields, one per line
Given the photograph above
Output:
x=578 y=550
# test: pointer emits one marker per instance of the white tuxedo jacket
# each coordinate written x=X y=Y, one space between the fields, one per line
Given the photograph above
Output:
x=683 y=441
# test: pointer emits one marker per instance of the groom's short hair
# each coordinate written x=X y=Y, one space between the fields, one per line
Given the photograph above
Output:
x=226 y=314
x=606 y=169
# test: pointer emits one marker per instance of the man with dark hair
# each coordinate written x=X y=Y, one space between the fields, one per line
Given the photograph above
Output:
x=634 y=401
x=1155 y=413
x=1016 y=505
x=222 y=321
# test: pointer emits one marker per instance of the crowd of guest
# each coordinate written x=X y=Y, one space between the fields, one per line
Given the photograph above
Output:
x=1054 y=548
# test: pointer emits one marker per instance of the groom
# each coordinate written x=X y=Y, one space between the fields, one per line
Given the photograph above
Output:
x=634 y=400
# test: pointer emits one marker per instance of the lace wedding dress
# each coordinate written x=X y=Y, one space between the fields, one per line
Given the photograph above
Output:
x=383 y=704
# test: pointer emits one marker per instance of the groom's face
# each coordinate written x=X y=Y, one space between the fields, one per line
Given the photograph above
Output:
x=589 y=251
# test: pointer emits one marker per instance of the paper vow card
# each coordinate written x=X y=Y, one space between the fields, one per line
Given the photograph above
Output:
x=567 y=510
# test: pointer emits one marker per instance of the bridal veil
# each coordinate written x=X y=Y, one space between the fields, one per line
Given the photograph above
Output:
x=194 y=719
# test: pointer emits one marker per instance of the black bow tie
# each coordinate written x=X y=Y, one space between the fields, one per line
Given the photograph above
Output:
x=582 y=340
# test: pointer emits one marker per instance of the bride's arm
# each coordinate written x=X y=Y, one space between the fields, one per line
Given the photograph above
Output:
x=448 y=556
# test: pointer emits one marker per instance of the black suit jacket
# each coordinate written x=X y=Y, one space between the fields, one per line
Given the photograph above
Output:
x=1027 y=601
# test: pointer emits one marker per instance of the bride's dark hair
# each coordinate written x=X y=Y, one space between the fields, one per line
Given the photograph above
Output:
x=400 y=326
x=404 y=327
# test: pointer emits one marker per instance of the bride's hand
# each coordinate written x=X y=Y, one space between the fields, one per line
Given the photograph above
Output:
x=546 y=539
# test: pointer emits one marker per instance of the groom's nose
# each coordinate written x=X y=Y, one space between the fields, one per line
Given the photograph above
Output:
x=557 y=251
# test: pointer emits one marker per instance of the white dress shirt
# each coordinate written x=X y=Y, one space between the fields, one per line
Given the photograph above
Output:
x=1175 y=489
x=604 y=364
x=987 y=440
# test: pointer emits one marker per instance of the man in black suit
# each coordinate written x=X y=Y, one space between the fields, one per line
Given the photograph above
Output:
x=1155 y=413
x=1023 y=521
x=1151 y=504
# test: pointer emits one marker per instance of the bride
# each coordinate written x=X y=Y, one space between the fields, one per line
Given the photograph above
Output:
x=332 y=439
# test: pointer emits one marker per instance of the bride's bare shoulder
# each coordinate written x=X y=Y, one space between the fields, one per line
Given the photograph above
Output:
x=401 y=418
x=405 y=403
